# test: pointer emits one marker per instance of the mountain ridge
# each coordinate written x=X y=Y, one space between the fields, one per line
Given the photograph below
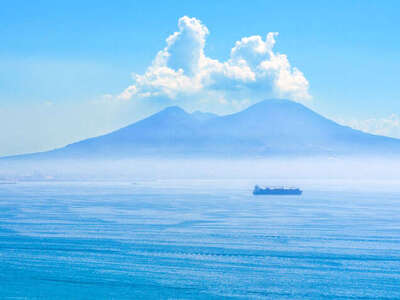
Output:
x=269 y=127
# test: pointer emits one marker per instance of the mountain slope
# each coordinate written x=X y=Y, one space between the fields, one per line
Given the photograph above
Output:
x=271 y=127
x=283 y=126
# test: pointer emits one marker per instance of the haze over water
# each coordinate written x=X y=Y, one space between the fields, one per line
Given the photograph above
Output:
x=196 y=239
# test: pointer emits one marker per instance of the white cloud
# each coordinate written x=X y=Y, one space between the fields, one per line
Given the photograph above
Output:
x=388 y=126
x=182 y=72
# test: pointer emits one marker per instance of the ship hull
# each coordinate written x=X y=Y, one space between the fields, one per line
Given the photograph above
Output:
x=276 y=191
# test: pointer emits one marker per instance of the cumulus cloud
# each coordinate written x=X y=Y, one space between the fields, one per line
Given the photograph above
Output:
x=182 y=72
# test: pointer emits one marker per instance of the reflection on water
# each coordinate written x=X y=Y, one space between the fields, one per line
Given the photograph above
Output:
x=133 y=241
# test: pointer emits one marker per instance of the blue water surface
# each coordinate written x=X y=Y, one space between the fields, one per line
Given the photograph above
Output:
x=157 y=240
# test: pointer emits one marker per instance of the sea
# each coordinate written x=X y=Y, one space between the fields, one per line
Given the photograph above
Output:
x=196 y=239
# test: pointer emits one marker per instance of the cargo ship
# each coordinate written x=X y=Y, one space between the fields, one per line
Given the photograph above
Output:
x=276 y=191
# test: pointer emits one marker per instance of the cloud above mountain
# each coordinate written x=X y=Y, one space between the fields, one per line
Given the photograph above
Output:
x=388 y=126
x=182 y=72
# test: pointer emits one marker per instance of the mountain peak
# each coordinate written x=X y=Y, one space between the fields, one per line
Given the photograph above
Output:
x=281 y=103
x=173 y=109
x=168 y=114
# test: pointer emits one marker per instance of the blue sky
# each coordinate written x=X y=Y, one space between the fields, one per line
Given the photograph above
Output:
x=57 y=57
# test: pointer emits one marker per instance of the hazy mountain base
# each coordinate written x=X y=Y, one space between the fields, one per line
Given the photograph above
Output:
x=343 y=172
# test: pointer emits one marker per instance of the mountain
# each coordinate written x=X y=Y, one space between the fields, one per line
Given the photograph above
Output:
x=270 y=127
